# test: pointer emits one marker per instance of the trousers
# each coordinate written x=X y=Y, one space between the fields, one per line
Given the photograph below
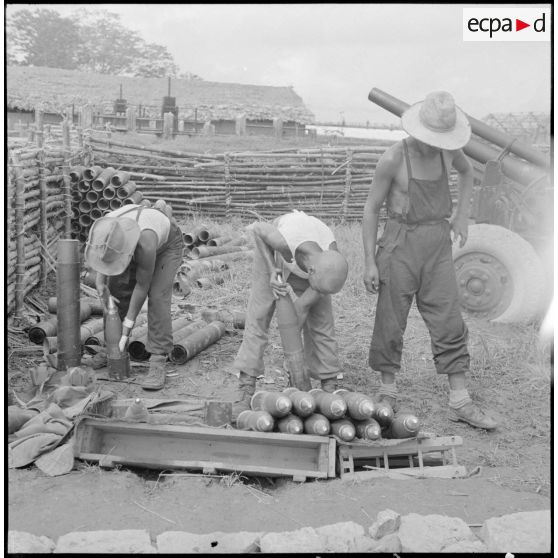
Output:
x=415 y=261
x=320 y=346
x=159 y=297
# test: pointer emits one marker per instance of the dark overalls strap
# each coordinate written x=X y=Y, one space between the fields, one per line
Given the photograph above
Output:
x=407 y=160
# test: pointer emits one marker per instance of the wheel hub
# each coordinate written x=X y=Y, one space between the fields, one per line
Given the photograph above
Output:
x=485 y=286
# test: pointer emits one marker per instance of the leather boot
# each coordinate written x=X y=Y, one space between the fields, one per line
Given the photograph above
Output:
x=157 y=375
x=246 y=388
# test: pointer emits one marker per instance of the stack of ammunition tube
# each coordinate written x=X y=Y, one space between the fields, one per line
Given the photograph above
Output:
x=343 y=414
x=95 y=192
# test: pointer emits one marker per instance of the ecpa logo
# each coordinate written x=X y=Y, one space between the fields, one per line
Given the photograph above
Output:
x=506 y=24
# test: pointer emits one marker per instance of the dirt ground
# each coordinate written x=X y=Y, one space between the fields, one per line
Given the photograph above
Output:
x=510 y=375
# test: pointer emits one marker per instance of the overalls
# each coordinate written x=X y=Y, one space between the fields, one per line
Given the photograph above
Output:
x=414 y=259
x=159 y=320
x=320 y=346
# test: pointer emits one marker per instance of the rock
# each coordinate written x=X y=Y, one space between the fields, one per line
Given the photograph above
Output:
x=341 y=537
x=180 y=542
x=20 y=542
x=126 y=541
x=466 y=546
x=432 y=533
x=518 y=532
x=388 y=544
x=387 y=521
x=302 y=540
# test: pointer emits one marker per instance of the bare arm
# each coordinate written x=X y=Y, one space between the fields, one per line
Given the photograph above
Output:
x=379 y=189
x=459 y=223
x=145 y=255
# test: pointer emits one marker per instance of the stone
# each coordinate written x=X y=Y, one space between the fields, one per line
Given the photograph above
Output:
x=466 y=546
x=518 y=532
x=387 y=521
x=302 y=540
x=388 y=544
x=20 y=542
x=341 y=537
x=126 y=541
x=181 y=542
x=431 y=533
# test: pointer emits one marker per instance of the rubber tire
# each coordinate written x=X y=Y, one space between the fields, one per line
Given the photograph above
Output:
x=522 y=263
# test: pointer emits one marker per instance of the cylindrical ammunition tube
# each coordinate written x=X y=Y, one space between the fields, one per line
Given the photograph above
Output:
x=119 y=178
x=260 y=421
x=276 y=404
x=343 y=429
x=303 y=402
x=103 y=179
x=329 y=404
x=90 y=173
x=359 y=406
x=92 y=196
x=67 y=295
x=291 y=424
x=403 y=425
x=76 y=173
x=135 y=198
x=197 y=341
x=368 y=429
x=317 y=424
x=103 y=204
x=126 y=190
x=383 y=413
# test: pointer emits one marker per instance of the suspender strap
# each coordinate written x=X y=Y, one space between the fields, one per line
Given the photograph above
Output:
x=407 y=160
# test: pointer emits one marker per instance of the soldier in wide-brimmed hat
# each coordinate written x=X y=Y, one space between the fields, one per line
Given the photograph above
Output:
x=414 y=254
x=136 y=251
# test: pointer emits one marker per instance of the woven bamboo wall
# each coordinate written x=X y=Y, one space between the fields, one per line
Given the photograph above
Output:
x=37 y=201
x=329 y=182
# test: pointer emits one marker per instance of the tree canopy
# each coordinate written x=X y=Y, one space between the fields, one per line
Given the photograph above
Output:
x=90 y=41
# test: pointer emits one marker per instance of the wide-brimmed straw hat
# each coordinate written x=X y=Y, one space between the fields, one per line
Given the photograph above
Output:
x=437 y=121
x=111 y=245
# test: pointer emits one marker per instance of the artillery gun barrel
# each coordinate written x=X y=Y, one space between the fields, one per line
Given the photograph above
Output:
x=515 y=170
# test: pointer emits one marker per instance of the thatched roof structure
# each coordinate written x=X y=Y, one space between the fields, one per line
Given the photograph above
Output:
x=53 y=90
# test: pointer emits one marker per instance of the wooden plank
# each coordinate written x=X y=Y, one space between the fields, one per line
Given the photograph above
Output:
x=405 y=447
x=207 y=433
x=162 y=463
x=408 y=473
x=331 y=457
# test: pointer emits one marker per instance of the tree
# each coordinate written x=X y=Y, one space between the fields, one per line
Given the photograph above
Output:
x=105 y=45
x=154 y=61
x=41 y=38
x=90 y=41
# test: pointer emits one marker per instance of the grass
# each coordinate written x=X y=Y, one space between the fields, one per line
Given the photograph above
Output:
x=509 y=375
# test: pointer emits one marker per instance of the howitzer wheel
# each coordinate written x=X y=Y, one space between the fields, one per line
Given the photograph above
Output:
x=499 y=275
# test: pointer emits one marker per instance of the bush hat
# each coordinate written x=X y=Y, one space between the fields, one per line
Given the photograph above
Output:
x=111 y=245
x=437 y=121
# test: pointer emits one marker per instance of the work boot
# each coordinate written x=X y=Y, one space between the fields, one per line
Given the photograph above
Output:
x=246 y=388
x=473 y=415
x=329 y=385
x=157 y=375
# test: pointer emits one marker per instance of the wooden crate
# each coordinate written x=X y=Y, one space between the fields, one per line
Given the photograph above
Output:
x=208 y=449
x=383 y=458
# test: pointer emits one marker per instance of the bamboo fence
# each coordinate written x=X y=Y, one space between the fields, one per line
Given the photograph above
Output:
x=50 y=195
x=330 y=182
x=37 y=201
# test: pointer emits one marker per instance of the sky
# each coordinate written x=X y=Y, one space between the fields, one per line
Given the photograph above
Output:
x=334 y=54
